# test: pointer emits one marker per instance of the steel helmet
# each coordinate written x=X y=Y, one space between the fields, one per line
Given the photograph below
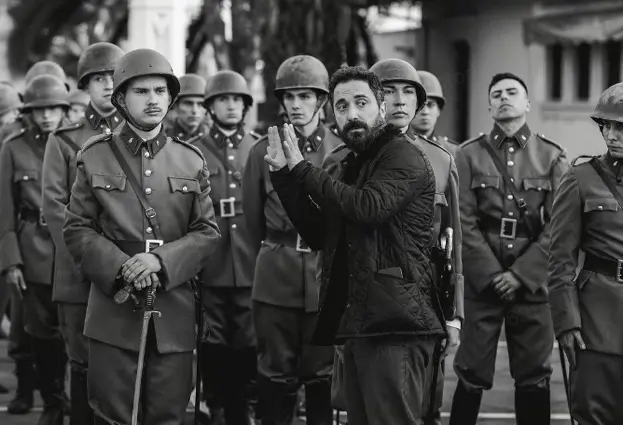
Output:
x=192 y=85
x=79 y=97
x=228 y=82
x=142 y=63
x=301 y=72
x=433 y=87
x=45 y=91
x=98 y=57
x=397 y=70
x=46 y=68
x=9 y=98
x=610 y=105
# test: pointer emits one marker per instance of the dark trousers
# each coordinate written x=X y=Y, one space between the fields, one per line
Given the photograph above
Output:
x=20 y=342
x=229 y=357
x=385 y=379
x=286 y=361
x=597 y=388
x=166 y=386
x=71 y=320
x=435 y=418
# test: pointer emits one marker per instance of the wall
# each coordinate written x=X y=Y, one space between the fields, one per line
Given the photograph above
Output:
x=495 y=33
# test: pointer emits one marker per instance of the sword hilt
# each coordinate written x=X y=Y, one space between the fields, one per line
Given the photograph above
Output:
x=150 y=298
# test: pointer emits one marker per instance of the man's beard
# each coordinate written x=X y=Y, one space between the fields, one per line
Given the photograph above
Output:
x=362 y=141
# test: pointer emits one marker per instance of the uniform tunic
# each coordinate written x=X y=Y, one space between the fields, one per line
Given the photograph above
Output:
x=587 y=217
x=176 y=129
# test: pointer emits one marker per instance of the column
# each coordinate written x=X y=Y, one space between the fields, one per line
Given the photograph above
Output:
x=569 y=94
x=597 y=72
x=160 y=25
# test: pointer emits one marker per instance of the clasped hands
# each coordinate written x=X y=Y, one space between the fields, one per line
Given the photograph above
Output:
x=505 y=285
x=281 y=153
x=141 y=271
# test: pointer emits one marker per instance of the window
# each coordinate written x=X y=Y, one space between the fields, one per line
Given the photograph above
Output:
x=583 y=75
x=555 y=61
x=613 y=63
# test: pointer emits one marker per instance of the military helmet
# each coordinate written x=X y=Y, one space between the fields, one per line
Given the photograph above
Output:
x=192 y=85
x=98 y=57
x=45 y=91
x=397 y=70
x=432 y=86
x=79 y=97
x=9 y=98
x=301 y=72
x=143 y=63
x=610 y=105
x=228 y=82
x=46 y=68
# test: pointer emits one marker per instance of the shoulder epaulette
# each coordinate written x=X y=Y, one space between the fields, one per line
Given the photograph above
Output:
x=260 y=140
x=188 y=145
x=15 y=135
x=95 y=139
x=437 y=145
x=475 y=139
x=575 y=160
x=338 y=148
x=452 y=142
x=254 y=134
x=72 y=126
x=550 y=141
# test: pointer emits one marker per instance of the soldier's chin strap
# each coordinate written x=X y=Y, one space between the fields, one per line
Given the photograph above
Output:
x=123 y=111
x=319 y=105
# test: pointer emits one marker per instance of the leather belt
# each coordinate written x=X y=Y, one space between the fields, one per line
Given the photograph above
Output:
x=32 y=216
x=228 y=207
x=136 y=247
x=290 y=239
x=611 y=268
x=505 y=228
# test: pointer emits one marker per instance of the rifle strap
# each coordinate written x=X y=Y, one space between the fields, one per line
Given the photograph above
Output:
x=150 y=213
x=68 y=141
x=510 y=186
x=610 y=184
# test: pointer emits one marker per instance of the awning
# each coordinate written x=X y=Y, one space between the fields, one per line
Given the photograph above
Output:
x=583 y=25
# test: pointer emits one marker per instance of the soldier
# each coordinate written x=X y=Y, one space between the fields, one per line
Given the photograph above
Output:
x=26 y=248
x=229 y=356
x=71 y=290
x=425 y=122
x=587 y=216
x=405 y=96
x=154 y=234
x=285 y=291
x=78 y=102
x=189 y=110
x=507 y=180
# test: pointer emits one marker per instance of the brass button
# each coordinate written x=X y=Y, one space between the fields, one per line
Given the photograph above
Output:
x=25 y=178
x=309 y=149
x=483 y=185
x=512 y=180
x=148 y=230
x=232 y=185
x=510 y=213
x=539 y=189
x=231 y=145
x=510 y=163
x=106 y=130
x=233 y=226
x=107 y=186
x=37 y=136
x=509 y=246
x=509 y=197
x=230 y=172
x=511 y=150
x=148 y=173
x=146 y=154
x=600 y=207
x=148 y=191
x=231 y=157
x=184 y=188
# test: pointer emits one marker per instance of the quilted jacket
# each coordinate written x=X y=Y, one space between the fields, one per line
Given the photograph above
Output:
x=373 y=224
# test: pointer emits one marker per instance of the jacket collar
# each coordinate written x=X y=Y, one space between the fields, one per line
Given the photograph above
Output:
x=182 y=132
x=134 y=143
x=96 y=121
x=522 y=136
x=313 y=142
x=221 y=138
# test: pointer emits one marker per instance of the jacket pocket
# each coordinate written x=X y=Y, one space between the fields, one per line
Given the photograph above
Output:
x=440 y=199
x=483 y=182
x=600 y=204
x=26 y=175
x=108 y=182
x=183 y=185
x=538 y=184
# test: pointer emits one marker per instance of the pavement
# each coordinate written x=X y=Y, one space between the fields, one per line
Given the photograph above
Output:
x=497 y=404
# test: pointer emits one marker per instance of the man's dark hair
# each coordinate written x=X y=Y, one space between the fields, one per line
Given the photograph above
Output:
x=357 y=73
x=506 y=76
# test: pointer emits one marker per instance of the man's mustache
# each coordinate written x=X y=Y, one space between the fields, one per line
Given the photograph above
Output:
x=355 y=124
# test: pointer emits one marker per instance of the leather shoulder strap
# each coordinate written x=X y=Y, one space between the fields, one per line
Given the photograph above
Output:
x=610 y=184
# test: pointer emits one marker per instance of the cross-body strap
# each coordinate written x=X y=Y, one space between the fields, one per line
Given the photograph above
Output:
x=610 y=184
x=150 y=213
x=73 y=145
x=510 y=185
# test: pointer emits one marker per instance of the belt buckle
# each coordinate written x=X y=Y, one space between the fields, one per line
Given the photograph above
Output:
x=42 y=221
x=301 y=246
x=151 y=244
x=619 y=275
x=508 y=228
x=228 y=208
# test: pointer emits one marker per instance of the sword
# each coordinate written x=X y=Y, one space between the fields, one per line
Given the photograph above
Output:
x=565 y=380
x=147 y=315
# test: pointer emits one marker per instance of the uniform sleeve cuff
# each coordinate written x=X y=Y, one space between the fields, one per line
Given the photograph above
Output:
x=455 y=323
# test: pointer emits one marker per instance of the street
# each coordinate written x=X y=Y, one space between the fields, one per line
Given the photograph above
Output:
x=497 y=404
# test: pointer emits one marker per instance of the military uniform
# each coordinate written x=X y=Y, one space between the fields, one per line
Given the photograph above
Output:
x=71 y=290
x=229 y=356
x=285 y=290
x=178 y=130
x=105 y=226
x=496 y=239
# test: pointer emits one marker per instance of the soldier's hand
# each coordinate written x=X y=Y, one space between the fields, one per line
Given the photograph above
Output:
x=150 y=281
x=454 y=339
x=506 y=284
x=15 y=277
x=137 y=268
x=291 y=146
x=275 y=157
x=569 y=341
